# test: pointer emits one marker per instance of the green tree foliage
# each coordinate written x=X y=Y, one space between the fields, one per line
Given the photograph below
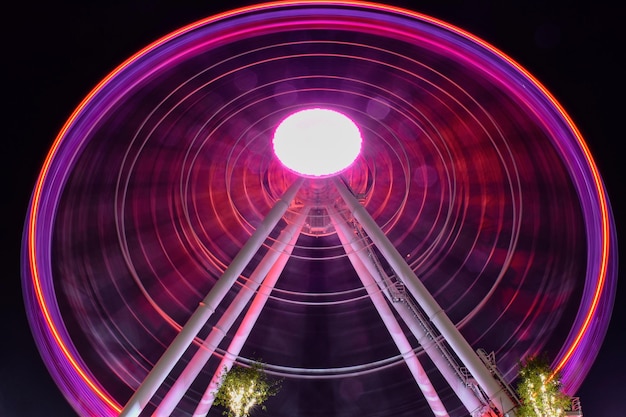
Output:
x=244 y=388
x=539 y=390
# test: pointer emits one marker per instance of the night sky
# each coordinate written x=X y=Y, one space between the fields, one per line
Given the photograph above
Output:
x=54 y=53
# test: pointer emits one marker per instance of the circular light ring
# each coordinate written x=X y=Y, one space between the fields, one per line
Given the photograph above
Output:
x=75 y=139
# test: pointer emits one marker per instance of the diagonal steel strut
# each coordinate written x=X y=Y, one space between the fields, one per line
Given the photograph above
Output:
x=496 y=393
x=265 y=273
x=414 y=319
x=358 y=258
x=249 y=320
x=185 y=337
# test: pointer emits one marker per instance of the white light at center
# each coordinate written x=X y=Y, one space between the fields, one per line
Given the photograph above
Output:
x=317 y=142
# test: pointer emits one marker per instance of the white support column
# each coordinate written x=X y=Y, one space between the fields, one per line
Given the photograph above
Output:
x=427 y=302
x=466 y=396
x=248 y=322
x=396 y=332
x=279 y=252
x=181 y=342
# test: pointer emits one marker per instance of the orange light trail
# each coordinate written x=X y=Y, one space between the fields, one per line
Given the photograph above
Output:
x=599 y=187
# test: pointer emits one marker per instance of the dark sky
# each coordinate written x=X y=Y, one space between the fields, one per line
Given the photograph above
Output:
x=54 y=53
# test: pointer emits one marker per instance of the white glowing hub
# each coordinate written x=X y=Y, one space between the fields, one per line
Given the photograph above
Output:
x=317 y=142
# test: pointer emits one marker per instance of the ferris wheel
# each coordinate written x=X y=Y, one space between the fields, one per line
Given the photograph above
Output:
x=195 y=213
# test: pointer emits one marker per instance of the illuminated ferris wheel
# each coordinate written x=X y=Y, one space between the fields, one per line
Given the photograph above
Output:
x=204 y=206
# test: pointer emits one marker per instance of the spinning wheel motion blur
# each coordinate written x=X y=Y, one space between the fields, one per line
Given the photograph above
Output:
x=471 y=171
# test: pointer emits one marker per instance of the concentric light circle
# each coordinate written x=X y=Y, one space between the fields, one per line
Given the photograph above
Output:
x=473 y=170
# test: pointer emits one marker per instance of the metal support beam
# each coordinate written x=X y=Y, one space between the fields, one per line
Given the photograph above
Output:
x=183 y=340
x=471 y=402
x=378 y=299
x=247 y=323
x=278 y=253
x=427 y=302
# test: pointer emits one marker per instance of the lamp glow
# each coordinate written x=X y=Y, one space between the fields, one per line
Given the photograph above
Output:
x=317 y=142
